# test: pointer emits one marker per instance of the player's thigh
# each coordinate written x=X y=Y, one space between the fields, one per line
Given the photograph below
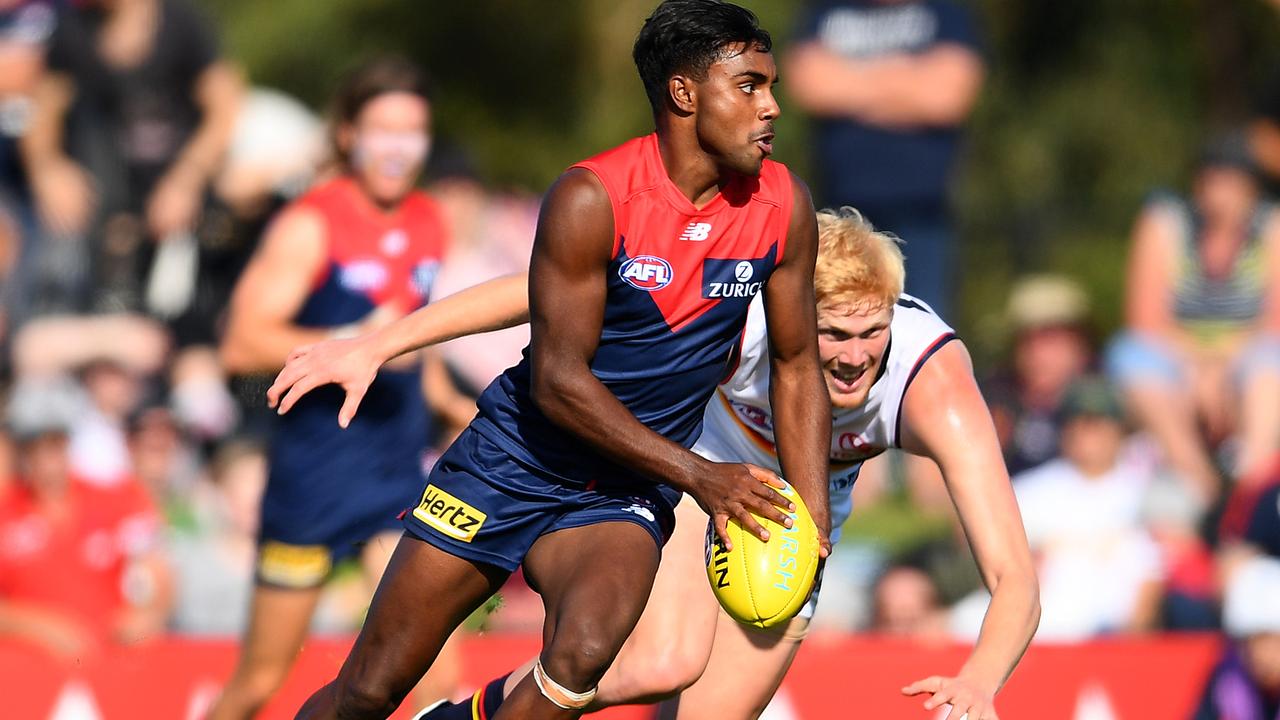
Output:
x=746 y=668
x=670 y=644
x=594 y=581
x=424 y=595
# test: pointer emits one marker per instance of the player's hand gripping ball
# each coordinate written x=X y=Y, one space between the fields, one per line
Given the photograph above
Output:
x=765 y=584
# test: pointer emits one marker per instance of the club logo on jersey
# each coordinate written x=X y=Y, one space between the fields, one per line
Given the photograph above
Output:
x=647 y=272
x=449 y=515
x=363 y=276
x=394 y=242
x=696 y=232
x=727 y=279
x=853 y=446
x=753 y=415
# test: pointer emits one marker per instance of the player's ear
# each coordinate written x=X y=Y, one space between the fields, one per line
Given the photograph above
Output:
x=682 y=93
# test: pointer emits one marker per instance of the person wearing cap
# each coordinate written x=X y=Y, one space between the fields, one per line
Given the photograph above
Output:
x=1052 y=347
x=1245 y=684
x=1099 y=569
x=79 y=562
x=1199 y=360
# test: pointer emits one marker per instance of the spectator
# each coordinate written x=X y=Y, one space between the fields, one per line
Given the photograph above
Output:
x=1199 y=360
x=130 y=125
x=214 y=559
x=1051 y=349
x=79 y=566
x=906 y=605
x=1099 y=569
x=1245 y=685
x=25 y=27
x=890 y=83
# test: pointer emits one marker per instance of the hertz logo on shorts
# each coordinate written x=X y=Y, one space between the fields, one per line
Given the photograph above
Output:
x=449 y=515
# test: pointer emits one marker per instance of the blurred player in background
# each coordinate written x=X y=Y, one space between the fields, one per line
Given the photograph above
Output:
x=356 y=252
x=895 y=379
x=644 y=266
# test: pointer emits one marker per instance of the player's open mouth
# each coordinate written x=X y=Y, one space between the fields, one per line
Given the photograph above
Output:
x=845 y=381
x=765 y=143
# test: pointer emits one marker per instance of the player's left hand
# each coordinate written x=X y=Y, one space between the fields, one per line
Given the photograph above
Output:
x=346 y=362
x=968 y=699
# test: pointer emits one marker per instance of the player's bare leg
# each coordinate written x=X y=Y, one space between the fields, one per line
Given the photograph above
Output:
x=747 y=666
x=442 y=679
x=594 y=582
x=278 y=622
x=424 y=595
x=670 y=645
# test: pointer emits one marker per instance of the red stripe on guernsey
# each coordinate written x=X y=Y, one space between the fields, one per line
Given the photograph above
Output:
x=377 y=251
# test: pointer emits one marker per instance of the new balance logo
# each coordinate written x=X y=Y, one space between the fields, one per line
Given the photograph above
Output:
x=449 y=515
x=696 y=232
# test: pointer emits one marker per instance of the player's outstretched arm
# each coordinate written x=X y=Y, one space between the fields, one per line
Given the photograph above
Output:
x=946 y=419
x=352 y=363
x=801 y=409
x=567 y=292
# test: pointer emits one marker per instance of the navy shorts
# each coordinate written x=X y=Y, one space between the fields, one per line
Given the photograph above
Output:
x=483 y=505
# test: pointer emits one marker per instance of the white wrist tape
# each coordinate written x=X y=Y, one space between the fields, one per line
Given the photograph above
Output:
x=559 y=695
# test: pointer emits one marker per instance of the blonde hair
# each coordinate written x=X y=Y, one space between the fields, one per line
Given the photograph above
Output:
x=857 y=265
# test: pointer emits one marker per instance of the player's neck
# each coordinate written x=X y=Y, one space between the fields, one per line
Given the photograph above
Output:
x=694 y=173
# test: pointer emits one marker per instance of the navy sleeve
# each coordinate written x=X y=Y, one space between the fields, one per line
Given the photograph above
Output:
x=1264 y=524
x=956 y=24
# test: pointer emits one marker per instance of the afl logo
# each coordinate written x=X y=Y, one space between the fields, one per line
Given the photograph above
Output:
x=647 y=273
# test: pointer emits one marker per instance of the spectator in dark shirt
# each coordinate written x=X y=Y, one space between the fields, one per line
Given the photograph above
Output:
x=890 y=83
x=1245 y=685
x=131 y=122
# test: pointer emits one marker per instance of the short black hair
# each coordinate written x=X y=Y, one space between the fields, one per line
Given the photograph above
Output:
x=687 y=36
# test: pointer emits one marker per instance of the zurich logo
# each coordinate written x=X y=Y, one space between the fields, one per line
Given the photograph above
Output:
x=647 y=273
x=743 y=271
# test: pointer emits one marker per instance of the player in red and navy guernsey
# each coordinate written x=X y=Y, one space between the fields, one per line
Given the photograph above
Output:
x=645 y=263
x=356 y=251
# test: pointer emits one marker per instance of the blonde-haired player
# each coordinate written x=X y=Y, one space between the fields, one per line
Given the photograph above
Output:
x=897 y=378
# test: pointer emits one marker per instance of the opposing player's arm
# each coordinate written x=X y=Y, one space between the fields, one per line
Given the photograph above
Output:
x=945 y=419
x=260 y=328
x=801 y=409
x=352 y=363
x=567 y=294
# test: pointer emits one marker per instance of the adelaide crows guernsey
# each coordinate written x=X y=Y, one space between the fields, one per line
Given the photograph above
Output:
x=680 y=280
x=327 y=482
x=739 y=421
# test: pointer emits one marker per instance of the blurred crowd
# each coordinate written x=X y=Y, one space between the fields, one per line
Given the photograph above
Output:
x=139 y=168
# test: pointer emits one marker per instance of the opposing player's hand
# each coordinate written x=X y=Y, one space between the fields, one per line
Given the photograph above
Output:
x=741 y=491
x=967 y=699
x=350 y=363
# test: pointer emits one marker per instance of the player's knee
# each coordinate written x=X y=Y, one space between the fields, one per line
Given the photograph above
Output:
x=253 y=688
x=667 y=671
x=578 y=659
x=365 y=697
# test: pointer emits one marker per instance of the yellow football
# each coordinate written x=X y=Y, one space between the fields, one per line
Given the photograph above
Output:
x=765 y=584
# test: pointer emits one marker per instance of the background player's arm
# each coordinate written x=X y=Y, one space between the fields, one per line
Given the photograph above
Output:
x=567 y=295
x=801 y=409
x=260 y=329
x=353 y=363
x=945 y=419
